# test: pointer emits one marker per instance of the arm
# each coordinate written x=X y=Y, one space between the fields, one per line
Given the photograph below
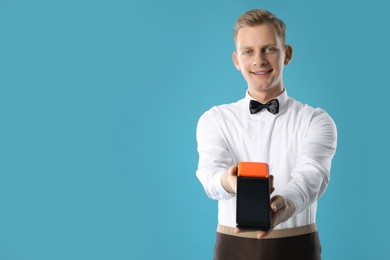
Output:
x=311 y=175
x=214 y=158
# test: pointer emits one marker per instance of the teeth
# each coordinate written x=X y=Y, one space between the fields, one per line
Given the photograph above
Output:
x=261 y=73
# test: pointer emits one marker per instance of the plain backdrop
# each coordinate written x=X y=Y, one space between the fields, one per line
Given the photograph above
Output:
x=99 y=102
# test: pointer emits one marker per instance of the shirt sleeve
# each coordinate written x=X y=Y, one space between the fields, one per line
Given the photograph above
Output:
x=311 y=175
x=214 y=157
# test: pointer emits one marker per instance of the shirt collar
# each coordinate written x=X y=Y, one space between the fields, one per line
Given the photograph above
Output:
x=282 y=99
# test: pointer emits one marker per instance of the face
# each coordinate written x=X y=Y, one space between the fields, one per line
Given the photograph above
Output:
x=260 y=56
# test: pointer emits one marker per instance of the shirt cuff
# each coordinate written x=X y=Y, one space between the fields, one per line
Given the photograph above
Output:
x=219 y=188
x=294 y=198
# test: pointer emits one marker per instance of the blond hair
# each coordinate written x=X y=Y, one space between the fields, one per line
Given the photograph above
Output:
x=258 y=17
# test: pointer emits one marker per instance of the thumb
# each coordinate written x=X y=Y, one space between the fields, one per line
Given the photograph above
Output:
x=233 y=170
x=278 y=202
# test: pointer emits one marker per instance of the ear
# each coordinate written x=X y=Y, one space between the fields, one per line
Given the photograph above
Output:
x=235 y=60
x=288 y=54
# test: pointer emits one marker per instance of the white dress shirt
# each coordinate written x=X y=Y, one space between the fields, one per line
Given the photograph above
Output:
x=298 y=143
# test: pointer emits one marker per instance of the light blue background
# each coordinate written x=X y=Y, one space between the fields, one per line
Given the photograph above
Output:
x=99 y=102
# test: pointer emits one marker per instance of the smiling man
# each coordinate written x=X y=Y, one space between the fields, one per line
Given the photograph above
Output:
x=260 y=56
x=296 y=140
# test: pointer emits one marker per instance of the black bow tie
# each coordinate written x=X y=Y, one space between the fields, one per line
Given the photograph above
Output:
x=272 y=106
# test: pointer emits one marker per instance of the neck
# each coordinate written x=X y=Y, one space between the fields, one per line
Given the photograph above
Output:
x=265 y=96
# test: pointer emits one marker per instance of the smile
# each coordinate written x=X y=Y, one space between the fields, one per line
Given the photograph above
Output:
x=261 y=73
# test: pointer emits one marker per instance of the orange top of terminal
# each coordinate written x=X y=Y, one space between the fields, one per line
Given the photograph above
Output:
x=253 y=169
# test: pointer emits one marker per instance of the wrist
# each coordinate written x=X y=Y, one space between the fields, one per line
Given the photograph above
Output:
x=290 y=207
x=226 y=184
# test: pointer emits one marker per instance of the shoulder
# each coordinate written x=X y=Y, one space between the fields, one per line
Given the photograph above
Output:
x=315 y=117
x=223 y=112
x=306 y=110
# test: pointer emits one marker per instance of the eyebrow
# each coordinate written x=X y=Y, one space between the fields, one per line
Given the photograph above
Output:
x=245 y=48
x=265 y=46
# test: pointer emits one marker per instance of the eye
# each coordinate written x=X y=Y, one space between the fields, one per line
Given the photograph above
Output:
x=246 y=52
x=271 y=50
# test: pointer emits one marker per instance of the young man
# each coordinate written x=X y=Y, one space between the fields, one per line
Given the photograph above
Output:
x=297 y=141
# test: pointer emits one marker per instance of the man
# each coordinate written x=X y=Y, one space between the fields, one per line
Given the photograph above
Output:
x=296 y=140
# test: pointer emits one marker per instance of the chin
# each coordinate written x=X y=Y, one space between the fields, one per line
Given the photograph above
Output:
x=261 y=88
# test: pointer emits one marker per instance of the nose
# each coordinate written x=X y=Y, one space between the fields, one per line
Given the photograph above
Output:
x=260 y=59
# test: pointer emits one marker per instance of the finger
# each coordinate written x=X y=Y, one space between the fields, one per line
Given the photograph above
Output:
x=237 y=230
x=233 y=170
x=277 y=203
x=276 y=217
x=271 y=183
x=261 y=234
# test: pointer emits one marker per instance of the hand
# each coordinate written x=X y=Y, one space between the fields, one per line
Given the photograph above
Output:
x=281 y=210
x=229 y=180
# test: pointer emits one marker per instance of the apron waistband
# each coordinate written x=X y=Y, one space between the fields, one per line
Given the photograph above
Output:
x=279 y=233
